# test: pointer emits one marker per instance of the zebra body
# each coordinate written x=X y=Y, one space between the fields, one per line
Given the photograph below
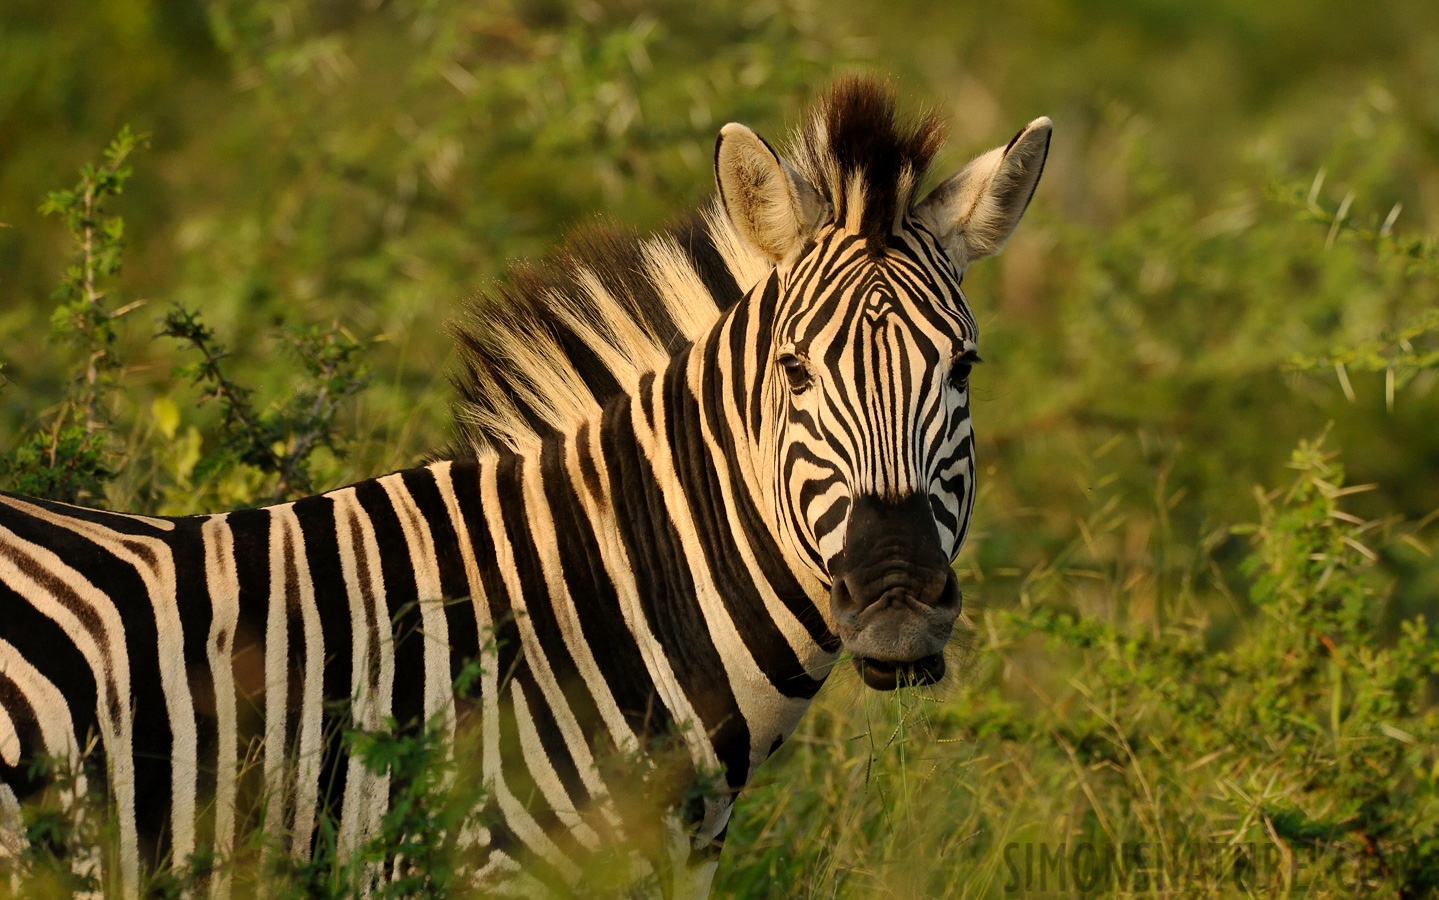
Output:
x=301 y=600
x=663 y=548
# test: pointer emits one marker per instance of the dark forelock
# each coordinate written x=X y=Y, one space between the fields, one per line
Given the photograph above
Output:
x=856 y=129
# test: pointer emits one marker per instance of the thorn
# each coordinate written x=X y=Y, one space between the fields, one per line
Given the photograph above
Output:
x=1312 y=201
x=1344 y=381
x=1389 y=220
x=1338 y=220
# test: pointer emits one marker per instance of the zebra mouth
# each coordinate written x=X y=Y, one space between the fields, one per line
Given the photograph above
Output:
x=886 y=675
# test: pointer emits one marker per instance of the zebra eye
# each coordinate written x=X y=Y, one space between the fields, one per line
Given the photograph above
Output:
x=960 y=368
x=795 y=371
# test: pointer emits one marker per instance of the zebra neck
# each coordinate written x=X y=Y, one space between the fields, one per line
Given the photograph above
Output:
x=750 y=647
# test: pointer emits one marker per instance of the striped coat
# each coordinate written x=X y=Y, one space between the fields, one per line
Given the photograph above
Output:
x=652 y=542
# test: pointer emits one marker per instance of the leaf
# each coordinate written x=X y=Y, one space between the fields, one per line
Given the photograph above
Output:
x=167 y=416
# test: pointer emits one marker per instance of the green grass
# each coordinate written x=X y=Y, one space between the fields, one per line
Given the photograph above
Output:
x=1305 y=737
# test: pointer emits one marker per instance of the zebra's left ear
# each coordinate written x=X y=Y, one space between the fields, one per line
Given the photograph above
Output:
x=976 y=210
x=770 y=205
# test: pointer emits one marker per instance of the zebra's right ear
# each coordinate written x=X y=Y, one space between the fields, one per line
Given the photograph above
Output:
x=770 y=205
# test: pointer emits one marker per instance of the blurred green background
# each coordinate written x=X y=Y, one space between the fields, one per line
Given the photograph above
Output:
x=1238 y=197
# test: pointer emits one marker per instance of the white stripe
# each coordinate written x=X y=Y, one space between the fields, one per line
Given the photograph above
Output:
x=9 y=739
x=518 y=818
x=223 y=584
x=366 y=795
x=309 y=753
x=544 y=774
x=277 y=678
x=153 y=522
x=439 y=681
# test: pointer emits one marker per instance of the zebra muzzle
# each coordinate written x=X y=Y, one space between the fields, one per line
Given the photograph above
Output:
x=894 y=597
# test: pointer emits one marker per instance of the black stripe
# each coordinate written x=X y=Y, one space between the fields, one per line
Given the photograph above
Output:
x=539 y=604
x=589 y=473
x=322 y=553
x=250 y=530
x=597 y=601
x=496 y=597
x=118 y=522
x=458 y=608
x=295 y=653
x=423 y=491
x=667 y=591
x=701 y=487
x=400 y=596
x=54 y=655
x=768 y=301
x=196 y=605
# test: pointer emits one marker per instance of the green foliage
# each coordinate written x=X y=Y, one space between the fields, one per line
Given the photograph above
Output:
x=69 y=460
x=1403 y=352
x=83 y=317
x=59 y=461
x=437 y=801
x=71 y=457
x=282 y=440
x=66 y=827
x=1321 y=720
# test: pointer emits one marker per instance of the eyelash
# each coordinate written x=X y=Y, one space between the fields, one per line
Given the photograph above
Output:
x=796 y=371
x=960 y=367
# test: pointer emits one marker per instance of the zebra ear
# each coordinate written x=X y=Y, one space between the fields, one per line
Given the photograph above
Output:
x=772 y=207
x=975 y=210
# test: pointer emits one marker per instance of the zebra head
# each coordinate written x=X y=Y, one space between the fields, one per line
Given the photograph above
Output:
x=864 y=426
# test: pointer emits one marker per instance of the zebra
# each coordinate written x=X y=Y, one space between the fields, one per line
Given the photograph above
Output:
x=696 y=470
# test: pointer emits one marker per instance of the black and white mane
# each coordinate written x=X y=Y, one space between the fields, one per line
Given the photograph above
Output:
x=546 y=348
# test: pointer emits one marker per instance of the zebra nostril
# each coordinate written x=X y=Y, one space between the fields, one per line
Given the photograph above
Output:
x=937 y=590
x=949 y=595
x=931 y=590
